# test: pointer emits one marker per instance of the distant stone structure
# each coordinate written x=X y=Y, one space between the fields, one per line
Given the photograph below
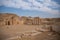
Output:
x=33 y=21
x=13 y=19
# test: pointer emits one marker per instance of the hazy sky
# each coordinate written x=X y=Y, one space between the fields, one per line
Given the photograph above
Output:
x=41 y=8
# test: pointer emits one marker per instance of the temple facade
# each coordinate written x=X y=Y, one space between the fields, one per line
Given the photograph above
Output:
x=9 y=19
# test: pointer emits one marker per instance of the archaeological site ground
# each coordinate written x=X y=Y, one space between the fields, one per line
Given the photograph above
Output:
x=14 y=27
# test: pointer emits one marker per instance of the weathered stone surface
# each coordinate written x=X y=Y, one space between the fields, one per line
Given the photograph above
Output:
x=9 y=19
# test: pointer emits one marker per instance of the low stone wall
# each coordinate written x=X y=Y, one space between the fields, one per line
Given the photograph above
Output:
x=56 y=28
x=24 y=36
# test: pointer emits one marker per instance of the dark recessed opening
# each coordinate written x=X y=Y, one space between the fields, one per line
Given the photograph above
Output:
x=8 y=23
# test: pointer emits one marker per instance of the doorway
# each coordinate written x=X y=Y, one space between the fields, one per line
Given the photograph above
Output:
x=8 y=23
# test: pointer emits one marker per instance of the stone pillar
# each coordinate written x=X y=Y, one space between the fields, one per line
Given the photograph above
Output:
x=51 y=28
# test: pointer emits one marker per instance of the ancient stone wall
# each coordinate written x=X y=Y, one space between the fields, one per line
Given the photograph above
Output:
x=13 y=19
x=9 y=19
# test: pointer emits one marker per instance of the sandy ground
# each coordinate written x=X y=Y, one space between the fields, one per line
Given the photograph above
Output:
x=47 y=36
x=7 y=32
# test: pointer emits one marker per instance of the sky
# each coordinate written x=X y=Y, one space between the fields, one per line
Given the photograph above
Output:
x=34 y=8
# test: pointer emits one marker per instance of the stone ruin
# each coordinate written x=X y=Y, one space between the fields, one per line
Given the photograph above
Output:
x=13 y=19
x=9 y=19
